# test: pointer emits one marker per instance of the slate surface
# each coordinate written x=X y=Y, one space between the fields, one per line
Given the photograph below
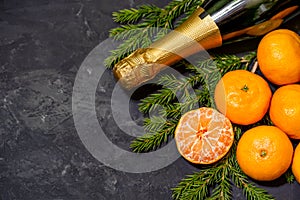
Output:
x=42 y=45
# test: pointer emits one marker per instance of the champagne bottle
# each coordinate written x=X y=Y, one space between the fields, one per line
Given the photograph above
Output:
x=202 y=30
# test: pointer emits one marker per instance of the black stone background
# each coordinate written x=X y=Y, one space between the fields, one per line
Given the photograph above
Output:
x=42 y=44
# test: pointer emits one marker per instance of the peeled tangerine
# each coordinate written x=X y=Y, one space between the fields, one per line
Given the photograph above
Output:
x=203 y=136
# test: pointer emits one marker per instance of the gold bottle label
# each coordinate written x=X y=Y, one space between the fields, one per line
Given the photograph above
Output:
x=194 y=35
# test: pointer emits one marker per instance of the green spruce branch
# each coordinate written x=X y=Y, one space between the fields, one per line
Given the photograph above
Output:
x=195 y=186
x=153 y=140
x=250 y=190
x=289 y=176
x=172 y=86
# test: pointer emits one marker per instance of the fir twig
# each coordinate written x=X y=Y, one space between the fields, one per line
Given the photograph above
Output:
x=289 y=176
x=151 y=140
x=195 y=186
x=172 y=87
x=250 y=190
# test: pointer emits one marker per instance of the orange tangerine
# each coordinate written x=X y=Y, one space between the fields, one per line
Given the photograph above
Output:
x=264 y=153
x=279 y=58
x=243 y=97
x=285 y=109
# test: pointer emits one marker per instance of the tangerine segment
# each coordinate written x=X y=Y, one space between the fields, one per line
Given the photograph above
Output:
x=204 y=135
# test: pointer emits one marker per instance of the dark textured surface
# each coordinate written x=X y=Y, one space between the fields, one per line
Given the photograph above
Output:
x=42 y=44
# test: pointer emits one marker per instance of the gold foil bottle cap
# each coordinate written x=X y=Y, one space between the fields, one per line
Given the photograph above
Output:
x=194 y=35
